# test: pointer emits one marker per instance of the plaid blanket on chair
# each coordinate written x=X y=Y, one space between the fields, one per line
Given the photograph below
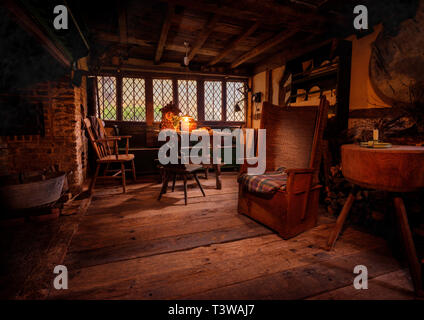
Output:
x=267 y=183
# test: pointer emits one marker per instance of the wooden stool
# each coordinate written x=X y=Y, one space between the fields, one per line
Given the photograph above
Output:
x=397 y=170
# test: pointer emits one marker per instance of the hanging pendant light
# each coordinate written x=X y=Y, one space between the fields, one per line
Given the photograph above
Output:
x=186 y=59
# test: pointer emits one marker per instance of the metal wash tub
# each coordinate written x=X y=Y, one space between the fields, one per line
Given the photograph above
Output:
x=32 y=194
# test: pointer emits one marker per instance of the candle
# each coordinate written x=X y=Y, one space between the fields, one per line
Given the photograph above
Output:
x=185 y=124
x=375 y=134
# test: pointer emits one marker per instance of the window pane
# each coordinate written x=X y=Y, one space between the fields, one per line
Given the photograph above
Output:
x=213 y=100
x=162 y=95
x=133 y=99
x=187 y=97
x=235 y=95
x=106 y=97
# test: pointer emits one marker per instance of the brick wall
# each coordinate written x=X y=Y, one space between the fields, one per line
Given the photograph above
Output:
x=64 y=143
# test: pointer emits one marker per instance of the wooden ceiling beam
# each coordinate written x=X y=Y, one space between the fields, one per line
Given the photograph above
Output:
x=265 y=46
x=164 y=32
x=137 y=65
x=235 y=43
x=268 y=12
x=122 y=22
x=203 y=36
x=182 y=49
x=292 y=51
x=23 y=18
x=190 y=21
x=108 y=37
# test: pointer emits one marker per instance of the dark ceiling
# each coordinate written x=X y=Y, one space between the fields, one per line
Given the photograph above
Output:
x=240 y=33
x=224 y=36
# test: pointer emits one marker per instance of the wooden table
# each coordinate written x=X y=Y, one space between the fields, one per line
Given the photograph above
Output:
x=216 y=167
x=397 y=170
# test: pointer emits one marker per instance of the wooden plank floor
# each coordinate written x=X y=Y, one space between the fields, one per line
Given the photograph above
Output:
x=29 y=251
x=130 y=246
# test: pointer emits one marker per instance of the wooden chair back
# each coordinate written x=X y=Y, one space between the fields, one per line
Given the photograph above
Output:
x=101 y=148
x=104 y=133
x=293 y=135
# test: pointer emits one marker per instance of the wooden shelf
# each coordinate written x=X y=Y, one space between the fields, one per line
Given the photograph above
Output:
x=315 y=73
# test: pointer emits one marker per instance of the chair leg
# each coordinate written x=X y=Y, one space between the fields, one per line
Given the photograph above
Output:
x=198 y=183
x=185 y=189
x=207 y=173
x=162 y=174
x=93 y=182
x=123 y=177
x=106 y=169
x=133 y=171
x=173 y=181
x=164 y=185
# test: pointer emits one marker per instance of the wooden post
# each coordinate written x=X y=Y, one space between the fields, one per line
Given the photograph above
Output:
x=269 y=86
x=149 y=101
x=250 y=110
x=119 y=98
x=175 y=90
x=224 y=101
x=91 y=96
x=201 y=100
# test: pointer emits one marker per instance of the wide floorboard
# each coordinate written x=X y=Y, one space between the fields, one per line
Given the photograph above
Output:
x=131 y=246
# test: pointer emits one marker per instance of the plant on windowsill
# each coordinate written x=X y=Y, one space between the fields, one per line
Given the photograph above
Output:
x=170 y=117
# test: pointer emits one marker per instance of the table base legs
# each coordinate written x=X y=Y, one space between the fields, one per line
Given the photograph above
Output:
x=340 y=221
x=217 y=169
x=408 y=243
x=406 y=234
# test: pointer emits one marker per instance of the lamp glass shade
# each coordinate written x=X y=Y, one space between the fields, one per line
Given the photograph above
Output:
x=188 y=123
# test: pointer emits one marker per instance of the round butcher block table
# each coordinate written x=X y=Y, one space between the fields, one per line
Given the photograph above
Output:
x=397 y=170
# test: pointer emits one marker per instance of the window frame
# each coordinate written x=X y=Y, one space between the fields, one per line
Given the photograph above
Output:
x=148 y=78
x=98 y=108
x=223 y=106
x=153 y=92
x=244 y=98
x=187 y=93
x=121 y=103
